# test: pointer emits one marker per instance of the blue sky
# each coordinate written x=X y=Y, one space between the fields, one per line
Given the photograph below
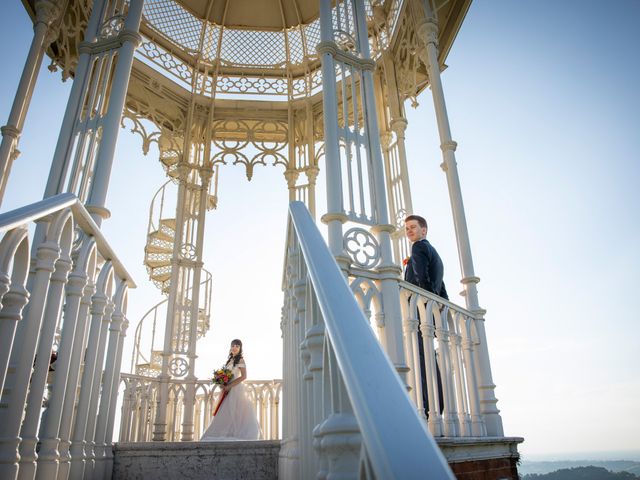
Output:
x=543 y=103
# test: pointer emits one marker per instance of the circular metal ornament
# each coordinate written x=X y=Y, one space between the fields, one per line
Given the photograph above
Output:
x=188 y=251
x=362 y=247
x=178 y=367
x=401 y=214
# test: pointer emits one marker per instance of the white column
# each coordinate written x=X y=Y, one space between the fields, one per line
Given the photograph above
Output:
x=389 y=272
x=428 y=32
x=335 y=216
x=111 y=121
x=48 y=454
x=17 y=383
x=47 y=11
x=160 y=420
x=206 y=173
x=37 y=383
x=64 y=146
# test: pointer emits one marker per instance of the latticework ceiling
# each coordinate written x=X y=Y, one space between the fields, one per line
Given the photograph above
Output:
x=252 y=14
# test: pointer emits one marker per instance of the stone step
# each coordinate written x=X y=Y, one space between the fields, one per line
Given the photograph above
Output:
x=256 y=460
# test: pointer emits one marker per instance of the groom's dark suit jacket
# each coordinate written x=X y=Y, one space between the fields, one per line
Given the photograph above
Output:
x=425 y=268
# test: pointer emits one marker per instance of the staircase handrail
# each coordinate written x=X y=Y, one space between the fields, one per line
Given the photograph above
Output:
x=152 y=227
x=40 y=210
x=396 y=438
x=404 y=285
x=136 y=350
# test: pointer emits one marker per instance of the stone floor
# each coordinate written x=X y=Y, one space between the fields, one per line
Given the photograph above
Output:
x=469 y=458
x=195 y=460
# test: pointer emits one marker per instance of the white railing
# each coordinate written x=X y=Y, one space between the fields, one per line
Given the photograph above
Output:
x=449 y=340
x=140 y=398
x=348 y=412
x=64 y=279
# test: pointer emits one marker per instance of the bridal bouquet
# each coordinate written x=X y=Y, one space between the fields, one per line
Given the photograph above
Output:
x=222 y=376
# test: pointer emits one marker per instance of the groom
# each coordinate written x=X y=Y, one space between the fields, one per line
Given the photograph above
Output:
x=424 y=269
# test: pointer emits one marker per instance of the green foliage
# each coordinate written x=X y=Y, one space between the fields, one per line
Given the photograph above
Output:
x=582 y=473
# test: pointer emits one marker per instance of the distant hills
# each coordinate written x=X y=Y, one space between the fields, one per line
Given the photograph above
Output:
x=529 y=468
x=603 y=470
x=581 y=473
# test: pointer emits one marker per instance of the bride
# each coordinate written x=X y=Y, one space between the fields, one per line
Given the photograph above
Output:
x=236 y=417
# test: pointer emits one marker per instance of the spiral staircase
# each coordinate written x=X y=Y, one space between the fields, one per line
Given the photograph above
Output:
x=146 y=358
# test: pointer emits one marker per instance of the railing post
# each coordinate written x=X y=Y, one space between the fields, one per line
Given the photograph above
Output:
x=110 y=382
x=478 y=426
x=315 y=336
x=411 y=325
x=98 y=375
x=14 y=251
x=71 y=389
x=449 y=413
x=427 y=329
x=338 y=437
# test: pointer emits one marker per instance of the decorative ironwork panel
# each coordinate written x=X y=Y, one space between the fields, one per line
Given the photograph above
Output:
x=173 y=22
x=253 y=48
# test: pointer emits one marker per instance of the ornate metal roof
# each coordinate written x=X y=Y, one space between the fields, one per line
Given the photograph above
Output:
x=254 y=14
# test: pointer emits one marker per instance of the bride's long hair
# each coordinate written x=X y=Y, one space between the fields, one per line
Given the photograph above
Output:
x=238 y=357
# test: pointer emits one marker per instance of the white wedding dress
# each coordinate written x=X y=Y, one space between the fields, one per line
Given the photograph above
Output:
x=236 y=418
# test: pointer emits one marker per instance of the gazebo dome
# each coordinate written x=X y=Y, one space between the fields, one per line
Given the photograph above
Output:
x=254 y=14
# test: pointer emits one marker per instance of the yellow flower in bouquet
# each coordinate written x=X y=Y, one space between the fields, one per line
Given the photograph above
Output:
x=222 y=376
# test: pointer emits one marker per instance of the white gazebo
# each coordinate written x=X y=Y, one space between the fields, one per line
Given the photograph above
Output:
x=302 y=85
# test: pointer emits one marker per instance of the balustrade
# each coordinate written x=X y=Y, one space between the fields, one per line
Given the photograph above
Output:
x=61 y=278
x=450 y=339
x=141 y=393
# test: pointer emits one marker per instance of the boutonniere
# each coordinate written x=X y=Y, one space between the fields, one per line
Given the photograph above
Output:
x=405 y=261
